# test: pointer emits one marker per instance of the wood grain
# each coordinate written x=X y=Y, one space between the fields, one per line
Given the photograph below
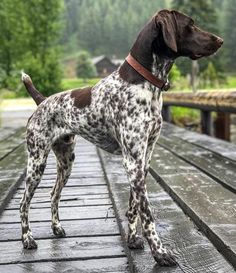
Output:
x=209 y=205
x=62 y=249
x=194 y=251
x=73 y=228
x=111 y=265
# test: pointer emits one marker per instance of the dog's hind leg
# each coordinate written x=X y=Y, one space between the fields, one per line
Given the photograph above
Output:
x=64 y=151
x=38 y=150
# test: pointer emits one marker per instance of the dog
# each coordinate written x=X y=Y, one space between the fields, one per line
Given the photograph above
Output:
x=121 y=115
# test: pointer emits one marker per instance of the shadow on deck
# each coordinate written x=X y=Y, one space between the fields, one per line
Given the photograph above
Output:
x=191 y=186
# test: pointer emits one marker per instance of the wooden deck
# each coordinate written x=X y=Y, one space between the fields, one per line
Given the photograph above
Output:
x=191 y=185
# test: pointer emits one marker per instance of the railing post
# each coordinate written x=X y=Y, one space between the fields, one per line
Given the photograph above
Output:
x=222 y=126
x=166 y=113
x=206 y=122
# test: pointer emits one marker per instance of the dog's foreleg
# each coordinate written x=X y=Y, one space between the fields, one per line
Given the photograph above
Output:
x=134 y=240
x=136 y=170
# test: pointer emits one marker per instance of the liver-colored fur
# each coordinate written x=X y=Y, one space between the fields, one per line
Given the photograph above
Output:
x=82 y=97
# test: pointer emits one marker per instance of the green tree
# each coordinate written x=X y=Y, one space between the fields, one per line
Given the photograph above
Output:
x=230 y=35
x=13 y=42
x=85 y=69
x=45 y=29
x=204 y=13
x=108 y=26
x=30 y=31
x=209 y=76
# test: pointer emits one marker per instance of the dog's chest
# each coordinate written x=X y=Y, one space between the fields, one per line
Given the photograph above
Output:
x=133 y=105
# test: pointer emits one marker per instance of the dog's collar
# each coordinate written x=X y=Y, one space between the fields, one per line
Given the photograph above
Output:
x=162 y=85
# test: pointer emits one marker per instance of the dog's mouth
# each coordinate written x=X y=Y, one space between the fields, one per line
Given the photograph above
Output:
x=196 y=56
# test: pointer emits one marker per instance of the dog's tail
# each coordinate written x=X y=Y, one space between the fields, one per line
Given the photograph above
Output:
x=33 y=92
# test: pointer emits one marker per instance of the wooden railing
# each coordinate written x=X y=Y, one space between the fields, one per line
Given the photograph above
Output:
x=223 y=103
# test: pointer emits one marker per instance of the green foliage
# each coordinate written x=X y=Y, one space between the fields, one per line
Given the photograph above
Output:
x=230 y=82
x=230 y=35
x=13 y=30
x=175 y=73
x=209 y=76
x=68 y=84
x=106 y=26
x=183 y=116
x=204 y=12
x=85 y=69
x=45 y=75
x=30 y=31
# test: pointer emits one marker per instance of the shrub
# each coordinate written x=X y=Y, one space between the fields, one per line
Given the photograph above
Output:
x=85 y=69
x=46 y=76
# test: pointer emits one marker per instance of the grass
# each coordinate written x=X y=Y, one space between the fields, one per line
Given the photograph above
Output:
x=78 y=83
x=231 y=82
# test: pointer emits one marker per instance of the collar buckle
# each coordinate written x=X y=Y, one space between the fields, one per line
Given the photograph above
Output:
x=166 y=86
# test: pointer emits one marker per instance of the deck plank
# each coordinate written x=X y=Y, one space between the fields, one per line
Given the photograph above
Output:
x=219 y=168
x=65 y=200
x=211 y=206
x=11 y=170
x=221 y=147
x=6 y=132
x=80 y=201
x=72 y=213
x=73 y=228
x=62 y=249
x=67 y=191
x=73 y=181
x=10 y=143
x=111 y=265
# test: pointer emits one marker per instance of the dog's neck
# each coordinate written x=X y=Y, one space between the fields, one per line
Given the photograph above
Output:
x=160 y=67
x=142 y=50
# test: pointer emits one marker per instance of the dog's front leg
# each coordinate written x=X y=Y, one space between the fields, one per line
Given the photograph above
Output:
x=134 y=164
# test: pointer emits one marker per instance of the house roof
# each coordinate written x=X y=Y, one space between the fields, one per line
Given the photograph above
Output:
x=116 y=62
x=97 y=59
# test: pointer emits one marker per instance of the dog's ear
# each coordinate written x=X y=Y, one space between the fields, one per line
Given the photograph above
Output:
x=166 y=20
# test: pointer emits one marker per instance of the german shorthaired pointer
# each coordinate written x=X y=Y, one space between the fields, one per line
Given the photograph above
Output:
x=121 y=115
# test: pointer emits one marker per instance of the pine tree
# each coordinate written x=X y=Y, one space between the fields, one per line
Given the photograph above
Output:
x=110 y=26
x=230 y=35
x=204 y=14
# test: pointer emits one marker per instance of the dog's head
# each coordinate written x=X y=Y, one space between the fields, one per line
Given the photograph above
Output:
x=177 y=35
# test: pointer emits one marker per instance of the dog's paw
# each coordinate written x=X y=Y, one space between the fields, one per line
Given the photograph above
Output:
x=165 y=259
x=59 y=231
x=136 y=243
x=29 y=243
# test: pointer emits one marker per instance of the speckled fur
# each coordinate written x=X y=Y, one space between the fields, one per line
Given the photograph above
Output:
x=122 y=119
x=122 y=116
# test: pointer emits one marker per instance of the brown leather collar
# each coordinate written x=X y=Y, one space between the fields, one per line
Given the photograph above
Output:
x=162 y=85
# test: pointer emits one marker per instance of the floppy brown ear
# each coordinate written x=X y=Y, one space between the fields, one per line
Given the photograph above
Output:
x=166 y=20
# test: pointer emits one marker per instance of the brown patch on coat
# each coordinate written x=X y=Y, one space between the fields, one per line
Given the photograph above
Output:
x=82 y=97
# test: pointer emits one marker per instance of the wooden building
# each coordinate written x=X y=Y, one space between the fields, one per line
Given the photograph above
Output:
x=104 y=65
